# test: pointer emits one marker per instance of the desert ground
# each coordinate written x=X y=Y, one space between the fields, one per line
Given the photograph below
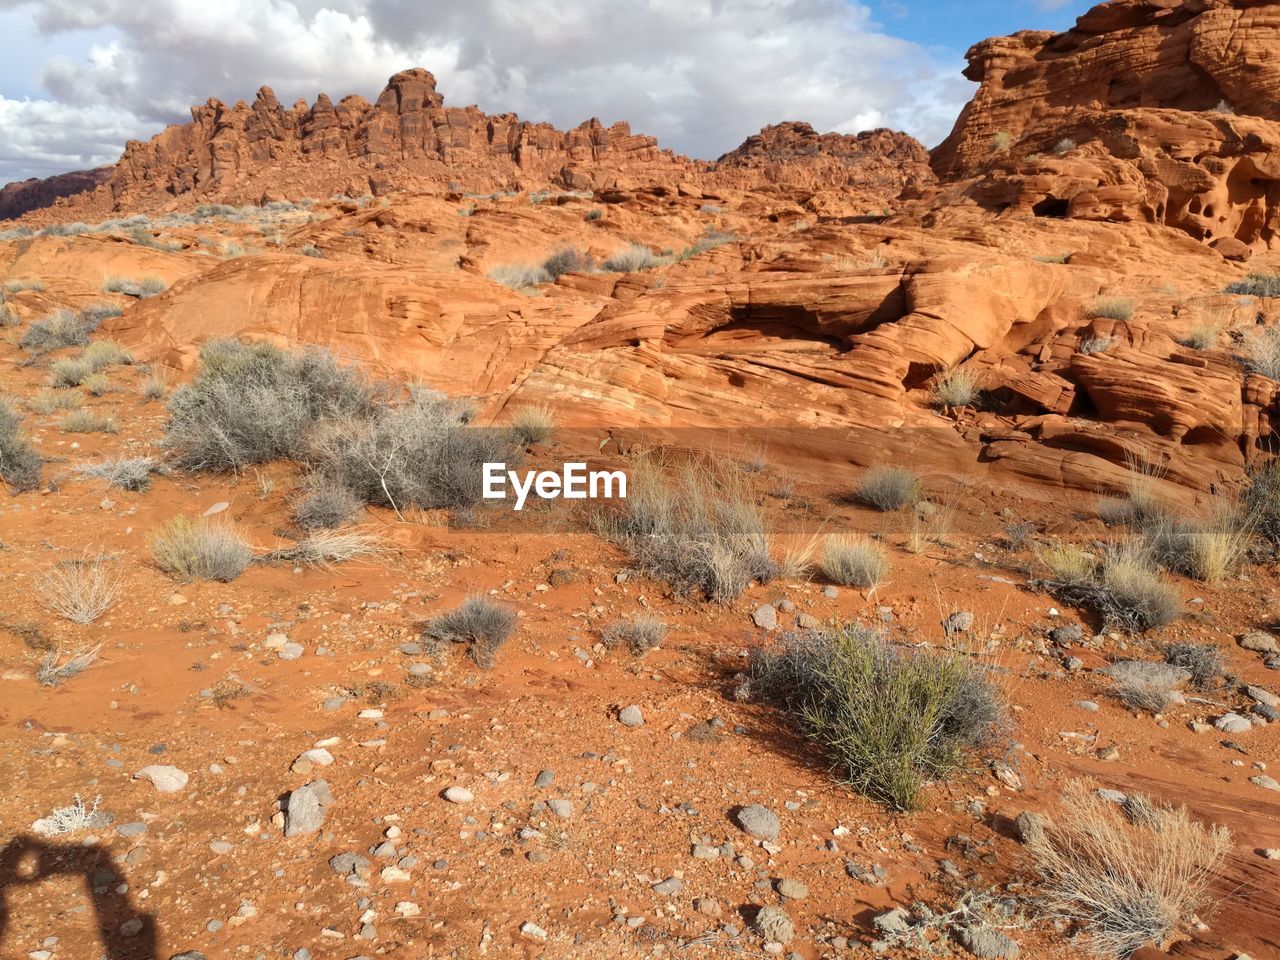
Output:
x=941 y=618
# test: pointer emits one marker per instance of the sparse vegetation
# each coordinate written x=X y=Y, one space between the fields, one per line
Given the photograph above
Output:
x=1065 y=145
x=891 y=719
x=593 y=215
x=199 y=550
x=48 y=400
x=1261 y=500
x=1202 y=661
x=1256 y=285
x=311 y=250
x=58 y=666
x=59 y=329
x=126 y=473
x=633 y=259
x=1001 y=141
x=1111 y=308
x=888 y=488
x=956 y=388
x=854 y=562
x=1091 y=345
x=1125 y=586
x=1143 y=685
x=325 y=504
x=566 y=260
x=1128 y=880
x=97 y=384
x=141 y=289
x=637 y=634
x=87 y=421
x=1203 y=550
x=251 y=403
x=106 y=353
x=1262 y=352
x=480 y=622
x=533 y=424
x=519 y=277
x=700 y=532
x=322 y=547
x=18 y=284
x=1202 y=336
x=79 y=589
x=155 y=386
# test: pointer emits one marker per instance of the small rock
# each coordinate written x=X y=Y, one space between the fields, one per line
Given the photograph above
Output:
x=759 y=822
x=217 y=508
x=631 y=716
x=1232 y=723
x=305 y=808
x=989 y=944
x=669 y=886
x=1067 y=635
x=774 y=925
x=164 y=778
x=1265 y=782
x=291 y=651
x=136 y=829
x=1260 y=642
x=896 y=920
x=1262 y=696
x=459 y=795
x=561 y=808
x=791 y=889
x=544 y=779
x=765 y=617
x=959 y=622
x=1030 y=826
x=532 y=930
x=707 y=907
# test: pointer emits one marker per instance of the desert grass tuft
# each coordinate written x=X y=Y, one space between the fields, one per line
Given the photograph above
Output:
x=87 y=421
x=200 y=550
x=58 y=666
x=955 y=388
x=888 y=488
x=323 y=548
x=854 y=561
x=480 y=622
x=19 y=463
x=80 y=589
x=533 y=424
x=637 y=634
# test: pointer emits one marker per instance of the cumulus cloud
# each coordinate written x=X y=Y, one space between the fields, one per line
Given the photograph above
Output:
x=701 y=75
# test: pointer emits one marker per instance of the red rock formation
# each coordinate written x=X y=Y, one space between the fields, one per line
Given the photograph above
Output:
x=1147 y=110
x=23 y=196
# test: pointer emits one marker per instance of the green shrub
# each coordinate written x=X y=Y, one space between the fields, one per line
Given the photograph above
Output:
x=888 y=488
x=1256 y=285
x=891 y=719
x=19 y=462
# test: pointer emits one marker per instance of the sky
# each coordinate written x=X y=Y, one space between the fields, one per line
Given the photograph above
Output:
x=80 y=77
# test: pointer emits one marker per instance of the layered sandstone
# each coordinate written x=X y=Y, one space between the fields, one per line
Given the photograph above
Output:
x=1151 y=111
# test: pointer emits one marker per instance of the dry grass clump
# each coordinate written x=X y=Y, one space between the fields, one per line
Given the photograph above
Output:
x=567 y=260
x=18 y=284
x=59 y=329
x=888 y=488
x=854 y=562
x=1261 y=500
x=251 y=403
x=106 y=353
x=955 y=388
x=1091 y=345
x=533 y=424
x=155 y=386
x=325 y=504
x=481 y=622
x=1142 y=685
x=322 y=548
x=699 y=531
x=48 y=400
x=1128 y=881
x=891 y=719
x=126 y=473
x=633 y=259
x=86 y=421
x=1209 y=550
x=143 y=288
x=69 y=372
x=519 y=276
x=422 y=453
x=1125 y=586
x=637 y=634
x=1262 y=352
x=19 y=462
x=1203 y=335
x=1203 y=662
x=199 y=550
x=1111 y=308
x=79 y=589
x=58 y=666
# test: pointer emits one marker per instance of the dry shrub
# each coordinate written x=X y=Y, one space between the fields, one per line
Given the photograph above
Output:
x=1141 y=685
x=79 y=589
x=106 y=353
x=19 y=462
x=519 y=277
x=69 y=372
x=700 y=531
x=533 y=424
x=324 y=503
x=97 y=384
x=86 y=421
x=324 y=547
x=47 y=400
x=481 y=622
x=60 y=665
x=1125 y=587
x=854 y=562
x=1111 y=308
x=199 y=550
x=1202 y=661
x=638 y=634
x=1129 y=880
x=955 y=388
x=891 y=719
x=633 y=259
x=888 y=488
x=127 y=473
x=59 y=329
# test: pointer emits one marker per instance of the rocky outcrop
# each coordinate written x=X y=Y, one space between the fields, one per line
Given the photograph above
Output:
x=1147 y=110
x=876 y=163
x=23 y=196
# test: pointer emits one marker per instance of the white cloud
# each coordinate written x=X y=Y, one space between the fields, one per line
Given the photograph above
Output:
x=701 y=75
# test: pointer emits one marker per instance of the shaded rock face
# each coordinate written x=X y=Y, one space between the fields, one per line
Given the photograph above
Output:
x=1147 y=111
x=23 y=196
